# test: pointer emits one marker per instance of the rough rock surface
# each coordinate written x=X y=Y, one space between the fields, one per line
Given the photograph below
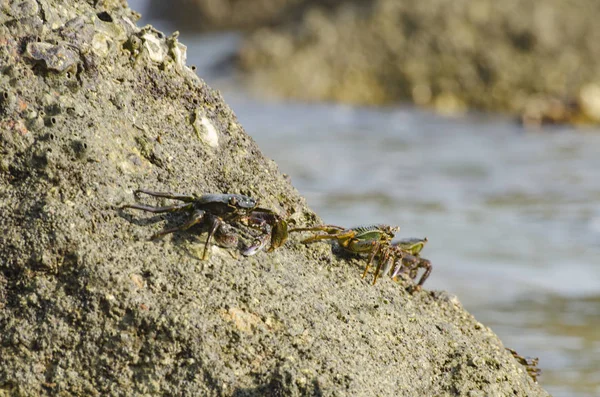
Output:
x=92 y=107
x=538 y=59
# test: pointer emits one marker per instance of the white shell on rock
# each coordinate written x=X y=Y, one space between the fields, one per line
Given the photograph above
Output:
x=205 y=130
x=157 y=50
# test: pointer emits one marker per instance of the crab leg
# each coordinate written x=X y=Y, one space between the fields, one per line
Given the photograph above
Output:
x=197 y=217
x=427 y=265
x=216 y=222
x=329 y=229
x=160 y=210
x=174 y=196
x=376 y=246
x=410 y=265
x=331 y=236
x=383 y=257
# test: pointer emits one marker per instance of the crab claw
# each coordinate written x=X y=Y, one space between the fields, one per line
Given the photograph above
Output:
x=257 y=245
x=397 y=270
x=279 y=234
x=388 y=262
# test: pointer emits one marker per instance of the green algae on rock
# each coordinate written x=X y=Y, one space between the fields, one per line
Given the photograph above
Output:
x=89 y=306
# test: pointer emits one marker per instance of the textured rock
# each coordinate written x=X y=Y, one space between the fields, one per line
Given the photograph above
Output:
x=538 y=59
x=90 y=306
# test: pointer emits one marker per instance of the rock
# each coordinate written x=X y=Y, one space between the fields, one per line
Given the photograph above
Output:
x=589 y=98
x=54 y=57
x=90 y=306
x=444 y=54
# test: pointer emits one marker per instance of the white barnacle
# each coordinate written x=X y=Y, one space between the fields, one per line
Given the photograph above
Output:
x=178 y=50
x=205 y=130
x=155 y=47
x=180 y=54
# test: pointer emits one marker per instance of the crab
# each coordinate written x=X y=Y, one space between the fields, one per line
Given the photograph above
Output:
x=405 y=255
x=373 y=240
x=217 y=211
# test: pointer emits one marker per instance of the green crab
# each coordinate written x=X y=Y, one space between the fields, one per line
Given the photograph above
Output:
x=373 y=240
x=218 y=211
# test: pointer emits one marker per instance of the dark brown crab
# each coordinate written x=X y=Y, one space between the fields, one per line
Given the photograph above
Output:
x=218 y=211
